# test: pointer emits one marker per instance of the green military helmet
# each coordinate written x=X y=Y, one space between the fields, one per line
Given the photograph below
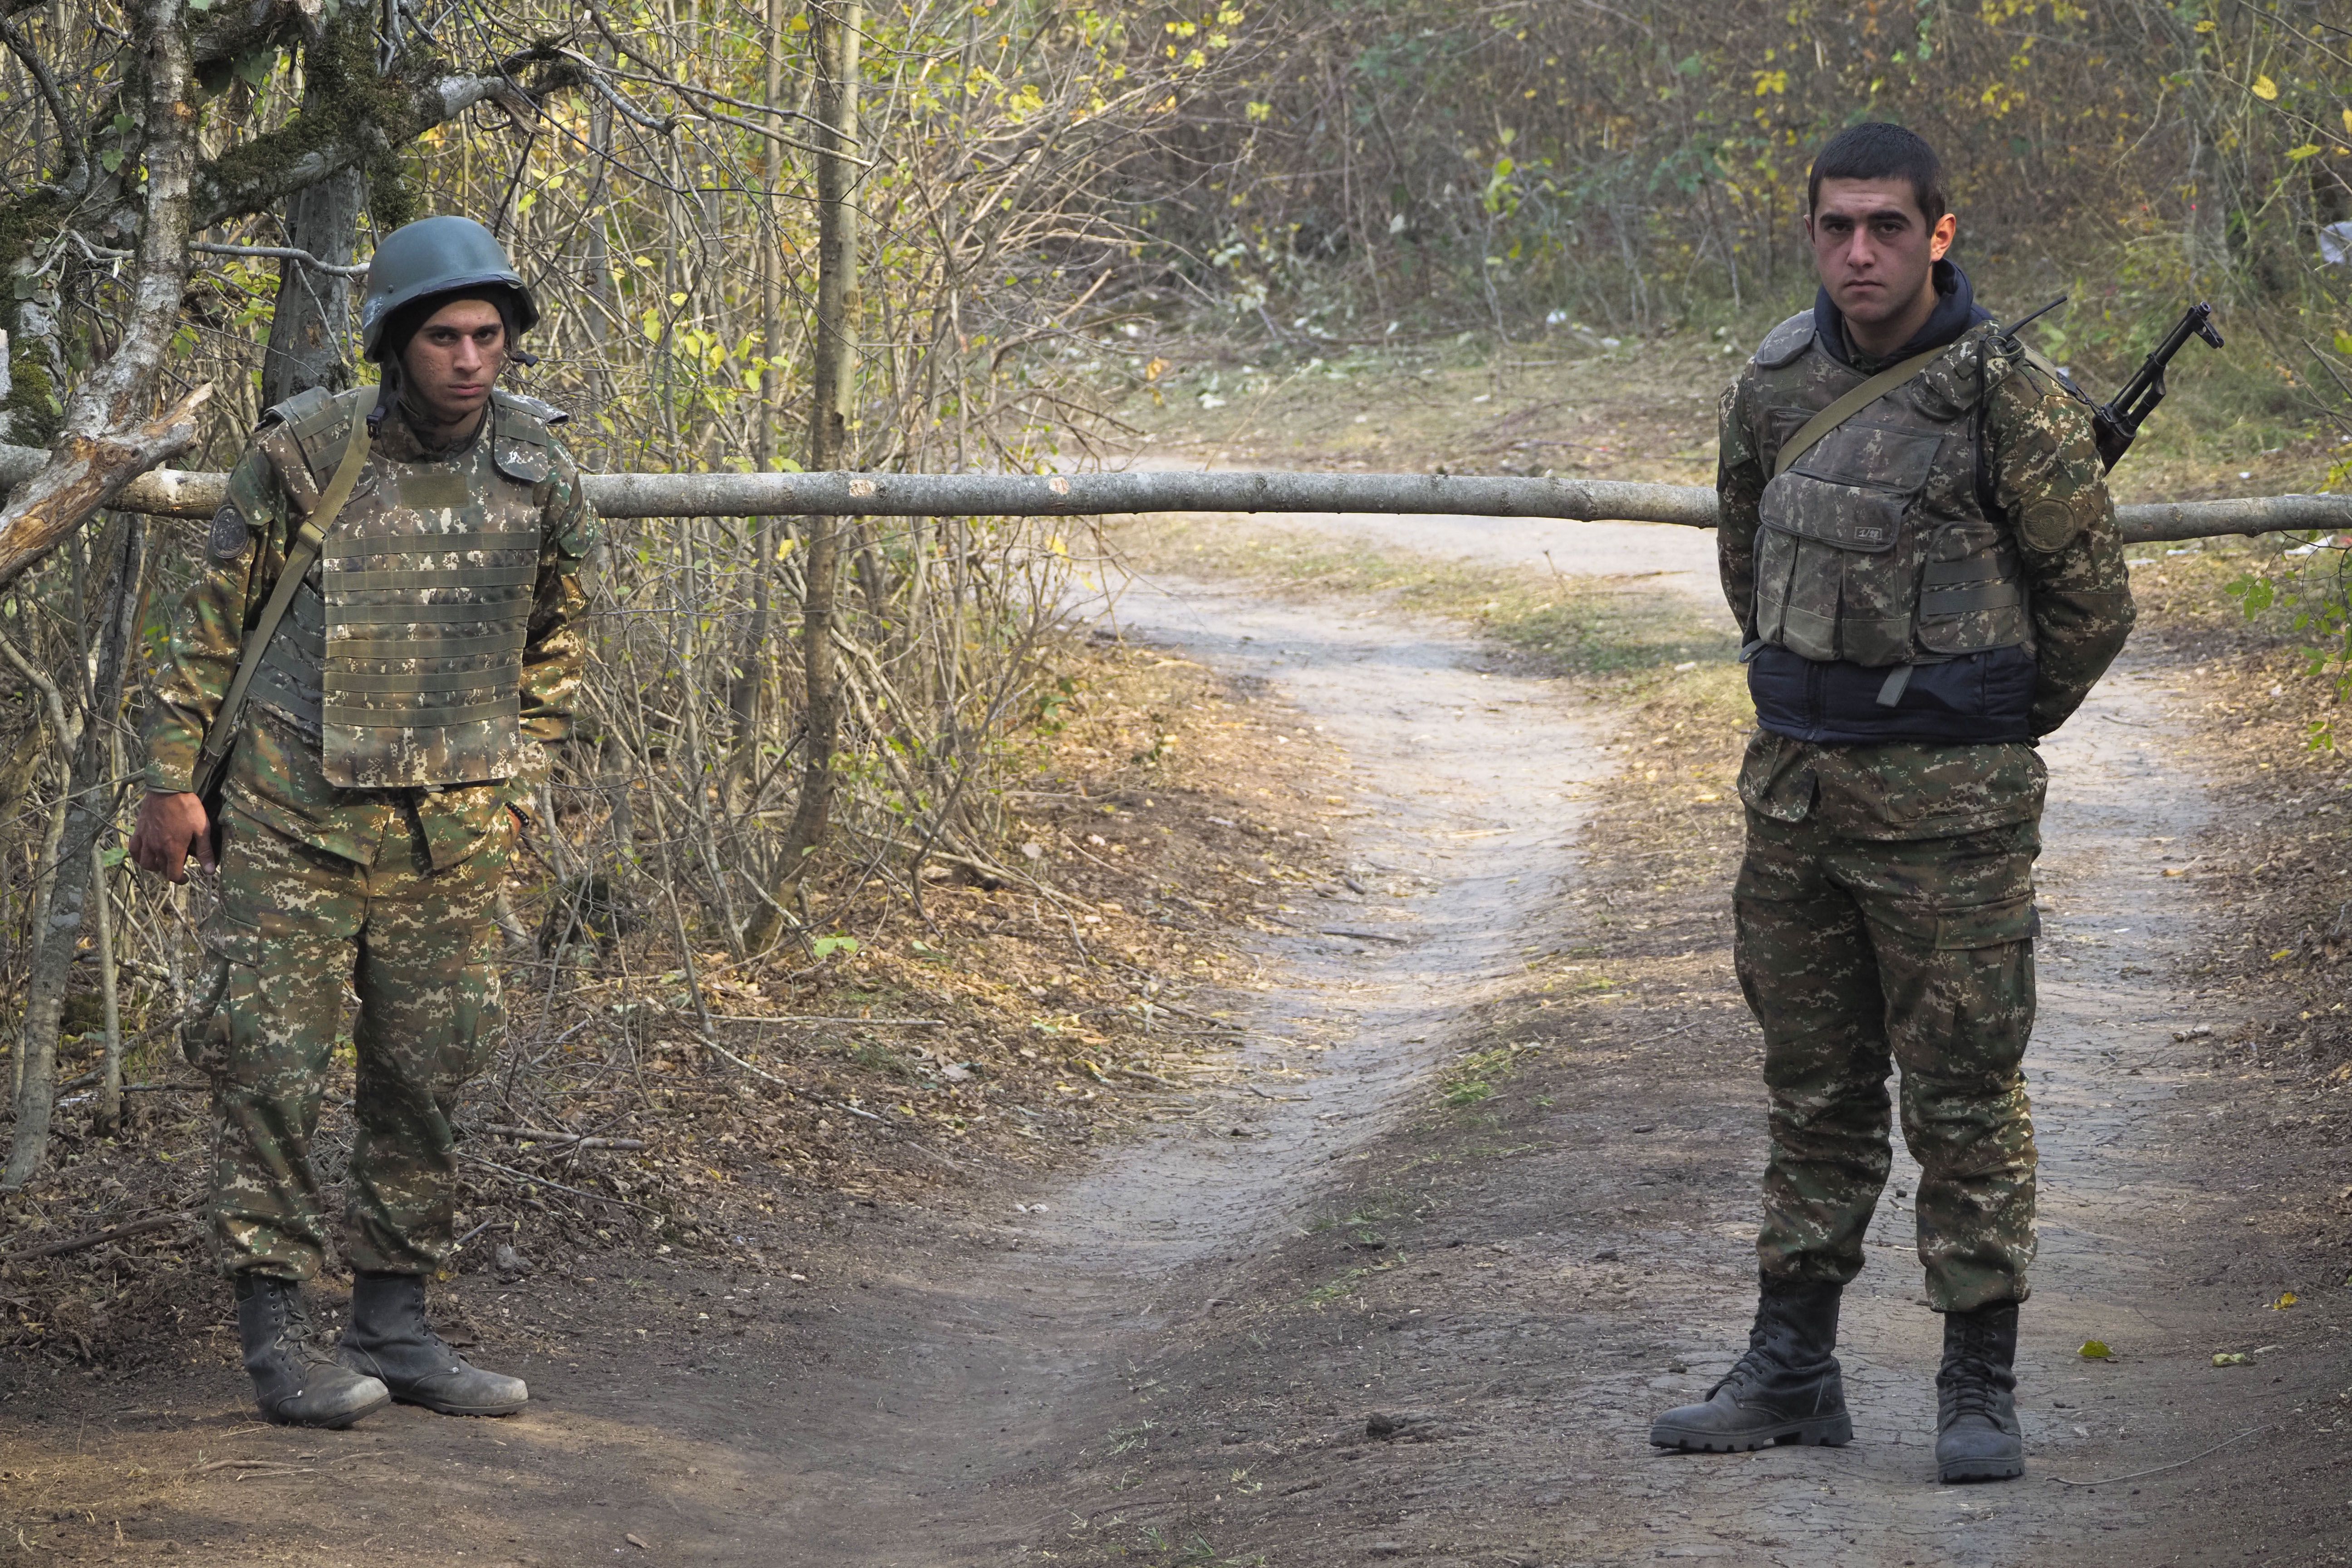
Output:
x=436 y=256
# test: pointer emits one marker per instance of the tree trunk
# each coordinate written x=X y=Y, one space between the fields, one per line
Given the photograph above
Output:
x=107 y=435
x=831 y=404
x=751 y=662
x=314 y=307
x=89 y=809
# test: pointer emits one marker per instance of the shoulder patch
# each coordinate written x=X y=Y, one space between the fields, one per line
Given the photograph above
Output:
x=230 y=534
x=1785 y=342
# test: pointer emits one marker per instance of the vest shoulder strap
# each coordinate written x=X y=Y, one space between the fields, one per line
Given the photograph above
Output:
x=522 y=436
x=1785 y=342
x=318 y=421
x=1855 y=400
x=515 y=403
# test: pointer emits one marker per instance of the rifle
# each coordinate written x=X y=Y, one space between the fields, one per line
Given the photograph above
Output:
x=2115 y=425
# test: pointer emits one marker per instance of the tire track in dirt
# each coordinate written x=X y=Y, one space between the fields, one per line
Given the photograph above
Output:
x=1467 y=780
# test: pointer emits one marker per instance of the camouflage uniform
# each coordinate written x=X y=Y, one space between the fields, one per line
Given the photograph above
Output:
x=385 y=885
x=1885 y=905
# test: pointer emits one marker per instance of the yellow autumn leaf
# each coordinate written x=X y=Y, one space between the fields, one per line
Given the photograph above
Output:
x=2342 y=338
x=2229 y=1358
x=2265 y=89
x=2287 y=1300
x=2096 y=1350
x=2297 y=154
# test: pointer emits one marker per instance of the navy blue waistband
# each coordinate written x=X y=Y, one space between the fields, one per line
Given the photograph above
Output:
x=1975 y=700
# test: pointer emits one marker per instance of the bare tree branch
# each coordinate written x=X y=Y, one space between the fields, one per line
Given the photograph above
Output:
x=72 y=136
x=280 y=253
x=263 y=173
x=108 y=437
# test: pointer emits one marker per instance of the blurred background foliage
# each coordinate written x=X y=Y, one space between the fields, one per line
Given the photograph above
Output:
x=1638 y=165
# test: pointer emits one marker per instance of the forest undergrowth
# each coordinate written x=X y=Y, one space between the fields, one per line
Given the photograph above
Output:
x=984 y=1030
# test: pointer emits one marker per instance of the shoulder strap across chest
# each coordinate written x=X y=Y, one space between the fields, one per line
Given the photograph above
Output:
x=1854 y=401
x=214 y=755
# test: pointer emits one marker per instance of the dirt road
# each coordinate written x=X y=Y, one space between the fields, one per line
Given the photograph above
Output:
x=1345 y=1313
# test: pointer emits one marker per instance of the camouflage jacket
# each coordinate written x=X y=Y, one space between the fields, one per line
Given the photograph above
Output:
x=2048 y=493
x=275 y=774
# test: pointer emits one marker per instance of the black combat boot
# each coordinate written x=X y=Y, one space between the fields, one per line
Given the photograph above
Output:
x=295 y=1381
x=1786 y=1389
x=390 y=1338
x=1977 y=1435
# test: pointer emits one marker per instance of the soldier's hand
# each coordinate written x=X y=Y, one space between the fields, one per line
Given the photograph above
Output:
x=170 y=828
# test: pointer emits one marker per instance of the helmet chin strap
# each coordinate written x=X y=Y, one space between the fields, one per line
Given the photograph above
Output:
x=388 y=374
x=515 y=351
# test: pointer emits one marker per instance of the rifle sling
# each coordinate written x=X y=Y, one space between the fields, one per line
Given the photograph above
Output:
x=1810 y=434
x=308 y=540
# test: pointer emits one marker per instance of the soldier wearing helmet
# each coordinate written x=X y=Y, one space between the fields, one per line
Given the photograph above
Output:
x=374 y=736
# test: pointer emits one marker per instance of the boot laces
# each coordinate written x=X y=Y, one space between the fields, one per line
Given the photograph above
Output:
x=1968 y=1389
x=298 y=1332
x=1756 y=1366
x=417 y=1326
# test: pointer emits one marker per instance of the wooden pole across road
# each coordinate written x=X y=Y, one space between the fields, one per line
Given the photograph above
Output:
x=172 y=493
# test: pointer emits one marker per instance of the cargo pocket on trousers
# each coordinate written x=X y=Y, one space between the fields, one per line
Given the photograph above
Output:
x=204 y=1025
x=1996 y=924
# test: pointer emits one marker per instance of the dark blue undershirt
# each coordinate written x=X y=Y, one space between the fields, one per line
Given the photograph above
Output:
x=1975 y=699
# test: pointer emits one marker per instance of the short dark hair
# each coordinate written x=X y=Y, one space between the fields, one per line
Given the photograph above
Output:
x=1877 y=151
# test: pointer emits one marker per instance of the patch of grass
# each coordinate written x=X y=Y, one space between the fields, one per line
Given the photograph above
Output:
x=1344 y=1285
x=1472 y=1079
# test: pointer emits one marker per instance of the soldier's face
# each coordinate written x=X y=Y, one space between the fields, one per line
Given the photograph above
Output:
x=1874 y=250
x=455 y=357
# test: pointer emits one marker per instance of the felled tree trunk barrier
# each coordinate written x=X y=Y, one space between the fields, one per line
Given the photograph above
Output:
x=174 y=493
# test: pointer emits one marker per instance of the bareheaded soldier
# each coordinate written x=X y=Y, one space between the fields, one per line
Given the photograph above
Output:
x=1918 y=542
x=401 y=703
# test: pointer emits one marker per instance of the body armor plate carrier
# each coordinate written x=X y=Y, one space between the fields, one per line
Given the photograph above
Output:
x=1879 y=546
x=401 y=652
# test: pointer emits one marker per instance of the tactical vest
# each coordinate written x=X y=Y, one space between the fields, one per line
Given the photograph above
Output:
x=401 y=653
x=1878 y=546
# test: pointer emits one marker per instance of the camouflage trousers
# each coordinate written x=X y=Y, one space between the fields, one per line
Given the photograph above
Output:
x=1857 y=954
x=296 y=925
